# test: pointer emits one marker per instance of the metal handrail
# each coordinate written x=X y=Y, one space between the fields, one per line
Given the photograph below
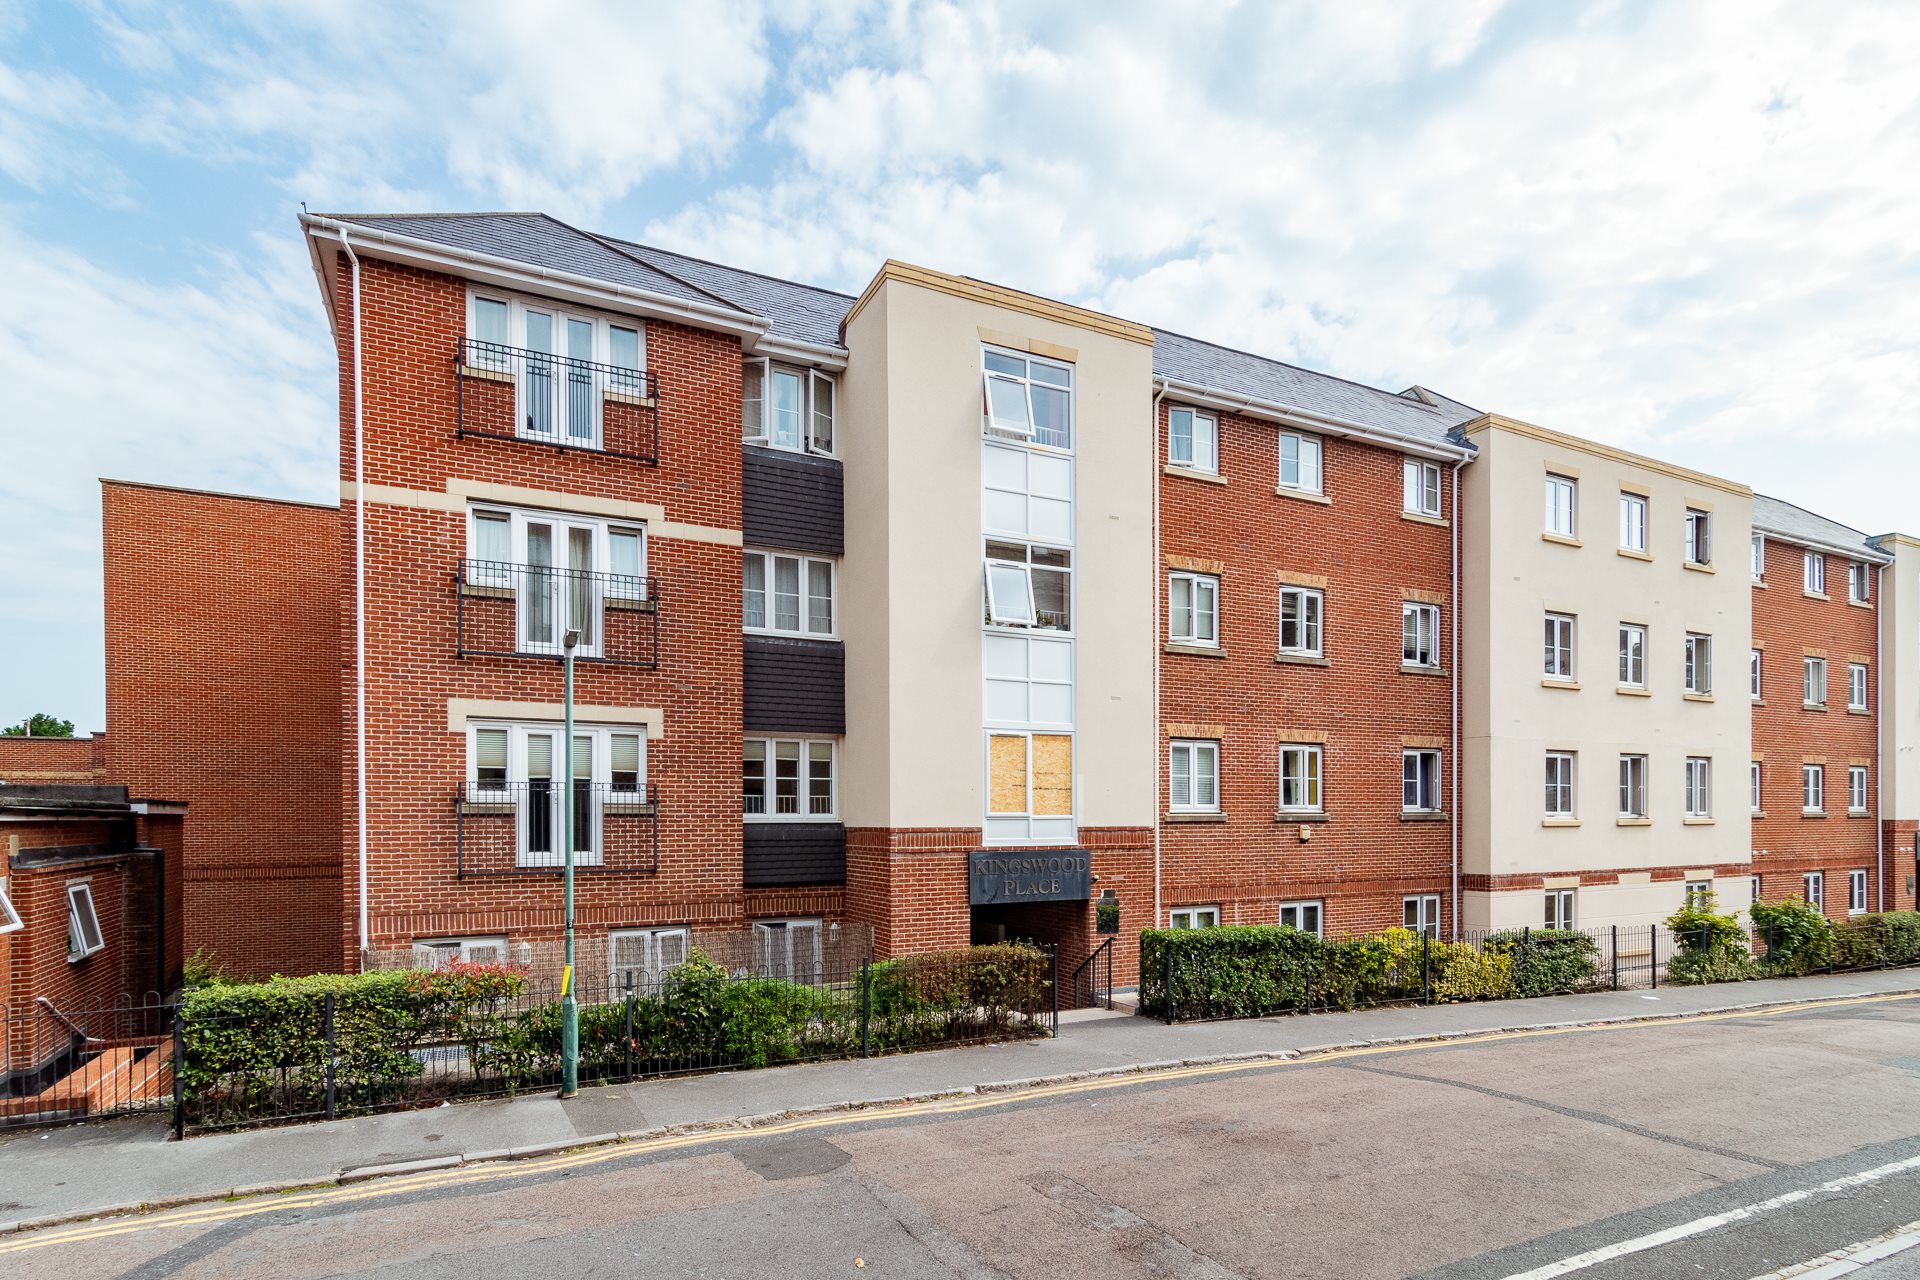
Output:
x=510 y=610
x=1102 y=954
x=559 y=401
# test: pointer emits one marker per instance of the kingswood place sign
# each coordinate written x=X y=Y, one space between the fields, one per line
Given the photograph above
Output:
x=1028 y=876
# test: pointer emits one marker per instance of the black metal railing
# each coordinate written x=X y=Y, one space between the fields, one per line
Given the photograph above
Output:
x=536 y=397
x=516 y=828
x=1091 y=983
x=59 y=1065
x=526 y=610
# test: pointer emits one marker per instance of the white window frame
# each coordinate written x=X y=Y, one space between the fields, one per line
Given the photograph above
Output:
x=1858 y=590
x=1633 y=655
x=1308 y=911
x=1021 y=609
x=1420 y=912
x=517 y=574
x=1697 y=663
x=993 y=424
x=654 y=968
x=519 y=791
x=1756 y=660
x=1197 y=585
x=806 y=757
x=1194 y=749
x=1420 y=487
x=1813 y=889
x=1633 y=521
x=1813 y=788
x=1558 y=632
x=1203 y=917
x=1757 y=557
x=1697 y=893
x=1856 y=686
x=1699 y=536
x=1024 y=826
x=1755 y=779
x=1698 y=792
x=1559 y=769
x=1632 y=791
x=84 y=937
x=1857 y=788
x=1309 y=462
x=1303 y=769
x=804 y=566
x=1857 y=892
x=1424 y=618
x=9 y=914
x=1813 y=672
x=1557 y=910
x=774 y=950
x=1432 y=781
x=1813 y=573
x=603 y=382
x=1311 y=618
x=1202 y=440
x=814 y=388
x=1562 y=506
x=432 y=953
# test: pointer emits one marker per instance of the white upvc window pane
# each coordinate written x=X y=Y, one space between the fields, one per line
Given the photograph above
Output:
x=1753 y=786
x=1558 y=658
x=1813 y=788
x=490 y=321
x=1815 y=573
x=1009 y=594
x=1856 y=892
x=83 y=923
x=1193 y=777
x=1633 y=522
x=754 y=777
x=754 y=576
x=786 y=778
x=625 y=761
x=753 y=401
x=1560 y=506
x=1815 y=691
x=1206 y=442
x=820 y=439
x=1857 y=788
x=1193 y=609
x=490 y=758
x=1300 y=462
x=820 y=597
x=1420 y=635
x=1753 y=674
x=786 y=593
x=1180 y=437
x=1300 y=778
x=786 y=409
x=1006 y=404
x=820 y=779
x=1559 y=784
x=1757 y=557
x=1698 y=793
x=1856 y=686
x=1300 y=619
x=492 y=537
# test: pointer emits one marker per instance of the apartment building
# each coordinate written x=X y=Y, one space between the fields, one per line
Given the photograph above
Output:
x=1606 y=732
x=1812 y=677
x=1897 y=706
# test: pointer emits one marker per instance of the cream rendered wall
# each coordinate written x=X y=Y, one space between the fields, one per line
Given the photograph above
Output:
x=914 y=754
x=1899 y=666
x=1512 y=577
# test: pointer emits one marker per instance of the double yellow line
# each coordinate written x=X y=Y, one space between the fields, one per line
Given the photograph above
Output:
x=480 y=1174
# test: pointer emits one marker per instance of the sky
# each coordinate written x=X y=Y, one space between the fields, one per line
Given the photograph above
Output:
x=1687 y=229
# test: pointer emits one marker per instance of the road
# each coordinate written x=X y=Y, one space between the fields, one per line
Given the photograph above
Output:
x=1732 y=1146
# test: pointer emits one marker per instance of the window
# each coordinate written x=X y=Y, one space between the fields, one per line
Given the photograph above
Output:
x=1753 y=674
x=1193 y=610
x=563 y=364
x=1027 y=397
x=1420 y=635
x=1699 y=536
x=1757 y=557
x=1300 y=462
x=1193 y=777
x=1420 y=781
x=1814 y=579
x=1856 y=686
x=1633 y=786
x=1304 y=916
x=1857 y=581
x=643 y=956
x=563 y=573
x=1029 y=786
x=1560 y=505
x=1813 y=888
x=1559 y=650
x=1633 y=522
x=1633 y=655
x=1559 y=800
x=1813 y=788
x=1300 y=779
x=1699 y=895
x=1857 y=788
x=786 y=408
x=1753 y=888
x=1857 y=891
x=1420 y=487
x=1301 y=609
x=1193 y=440
x=1753 y=786
x=9 y=917
x=438 y=953
x=1420 y=912
x=1699 y=663
x=1028 y=586
x=1559 y=909
x=1193 y=918
x=83 y=923
x=788 y=780
x=519 y=771
x=787 y=595
x=1699 y=791
x=1814 y=693
x=787 y=949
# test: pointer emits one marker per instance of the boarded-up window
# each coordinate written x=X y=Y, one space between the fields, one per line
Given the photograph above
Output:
x=1007 y=773
x=1052 y=775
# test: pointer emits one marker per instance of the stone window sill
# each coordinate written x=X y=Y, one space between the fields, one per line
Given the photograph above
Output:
x=1859 y=813
x=1415 y=669
x=1758 y=813
x=1815 y=595
x=1191 y=473
x=1759 y=585
x=1553 y=682
x=1561 y=539
x=1422 y=816
x=1696 y=697
x=1421 y=517
x=1633 y=822
x=1861 y=604
x=1286 y=818
x=1196 y=817
x=1631 y=554
x=1301 y=660
x=1813 y=813
x=1858 y=711
x=1194 y=650
x=1632 y=691
x=1696 y=567
x=1559 y=822
x=1303 y=495
x=1814 y=706
x=1696 y=821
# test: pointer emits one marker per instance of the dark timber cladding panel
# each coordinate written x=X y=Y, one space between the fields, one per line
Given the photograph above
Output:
x=792 y=501
x=794 y=686
x=780 y=853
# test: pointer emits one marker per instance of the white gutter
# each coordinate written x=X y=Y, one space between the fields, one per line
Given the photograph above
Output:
x=359 y=592
x=1866 y=555
x=1459 y=761
x=1153 y=584
x=1233 y=401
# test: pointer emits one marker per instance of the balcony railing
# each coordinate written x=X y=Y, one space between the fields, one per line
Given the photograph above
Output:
x=515 y=828
x=526 y=610
x=511 y=393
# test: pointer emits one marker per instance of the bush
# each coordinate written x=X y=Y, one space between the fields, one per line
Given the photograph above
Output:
x=202 y=969
x=1708 y=947
x=1247 y=971
x=1546 y=962
x=1879 y=940
x=1474 y=974
x=1798 y=937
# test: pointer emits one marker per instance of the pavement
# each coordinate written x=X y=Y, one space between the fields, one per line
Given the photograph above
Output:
x=57 y=1175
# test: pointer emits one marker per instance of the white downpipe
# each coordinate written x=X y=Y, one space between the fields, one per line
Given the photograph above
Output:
x=1159 y=629
x=1459 y=761
x=1879 y=710
x=359 y=594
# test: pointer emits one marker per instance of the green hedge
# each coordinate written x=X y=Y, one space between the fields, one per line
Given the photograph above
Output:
x=1547 y=962
x=1248 y=971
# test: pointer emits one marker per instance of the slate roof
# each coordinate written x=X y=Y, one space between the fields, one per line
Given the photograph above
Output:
x=796 y=310
x=1789 y=523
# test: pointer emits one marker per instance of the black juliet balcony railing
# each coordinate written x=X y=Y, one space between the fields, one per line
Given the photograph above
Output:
x=525 y=610
x=537 y=397
x=516 y=828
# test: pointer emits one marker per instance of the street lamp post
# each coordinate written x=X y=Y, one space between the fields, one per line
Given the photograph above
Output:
x=569 y=1008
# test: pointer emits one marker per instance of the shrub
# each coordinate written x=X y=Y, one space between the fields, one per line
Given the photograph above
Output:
x=1882 y=939
x=202 y=969
x=1708 y=946
x=1236 y=971
x=1475 y=974
x=1798 y=937
x=1545 y=962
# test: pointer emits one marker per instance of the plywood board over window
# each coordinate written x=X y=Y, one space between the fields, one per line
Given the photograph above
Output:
x=1007 y=773
x=1052 y=775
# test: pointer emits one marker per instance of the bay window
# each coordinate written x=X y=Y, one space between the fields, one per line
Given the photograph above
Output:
x=789 y=780
x=787 y=594
x=787 y=408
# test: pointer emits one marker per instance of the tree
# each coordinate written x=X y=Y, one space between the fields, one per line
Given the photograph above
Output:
x=39 y=725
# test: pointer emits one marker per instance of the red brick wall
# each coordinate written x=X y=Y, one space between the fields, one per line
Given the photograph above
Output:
x=222 y=692
x=1787 y=625
x=413 y=321
x=1365 y=856
x=54 y=759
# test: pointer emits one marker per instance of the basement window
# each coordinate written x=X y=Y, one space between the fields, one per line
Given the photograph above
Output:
x=83 y=923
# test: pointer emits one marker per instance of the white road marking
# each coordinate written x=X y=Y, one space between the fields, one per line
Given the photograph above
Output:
x=1853 y=1257
x=1640 y=1244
